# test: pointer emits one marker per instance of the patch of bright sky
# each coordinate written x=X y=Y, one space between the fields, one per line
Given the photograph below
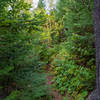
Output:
x=47 y=3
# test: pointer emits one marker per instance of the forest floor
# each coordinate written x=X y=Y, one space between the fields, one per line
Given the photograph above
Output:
x=56 y=95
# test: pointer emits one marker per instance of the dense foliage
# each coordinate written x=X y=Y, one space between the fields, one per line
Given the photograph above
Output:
x=32 y=41
x=74 y=64
x=20 y=48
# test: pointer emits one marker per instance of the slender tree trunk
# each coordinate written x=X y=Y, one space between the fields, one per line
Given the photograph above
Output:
x=97 y=43
x=96 y=94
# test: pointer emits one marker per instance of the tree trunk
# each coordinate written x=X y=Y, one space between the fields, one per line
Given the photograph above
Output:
x=96 y=94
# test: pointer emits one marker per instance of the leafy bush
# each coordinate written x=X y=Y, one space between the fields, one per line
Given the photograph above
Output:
x=81 y=49
x=32 y=84
x=77 y=80
x=20 y=49
x=13 y=96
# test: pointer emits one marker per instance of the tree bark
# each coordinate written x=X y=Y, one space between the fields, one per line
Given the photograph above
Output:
x=96 y=94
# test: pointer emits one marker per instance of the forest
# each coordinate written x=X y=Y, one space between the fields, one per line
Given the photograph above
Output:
x=48 y=54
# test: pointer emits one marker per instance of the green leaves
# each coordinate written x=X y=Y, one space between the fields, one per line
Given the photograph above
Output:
x=84 y=93
x=13 y=95
x=33 y=84
x=30 y=40
x=71 y=76
x=20 y=47
x=6 y=70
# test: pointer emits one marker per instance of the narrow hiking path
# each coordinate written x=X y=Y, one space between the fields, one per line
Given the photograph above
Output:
x=56 y=95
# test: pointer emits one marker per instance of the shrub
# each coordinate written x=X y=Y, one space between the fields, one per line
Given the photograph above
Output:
x=77 y=80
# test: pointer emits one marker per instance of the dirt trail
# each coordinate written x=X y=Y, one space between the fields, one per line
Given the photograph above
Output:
x=56 y=95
